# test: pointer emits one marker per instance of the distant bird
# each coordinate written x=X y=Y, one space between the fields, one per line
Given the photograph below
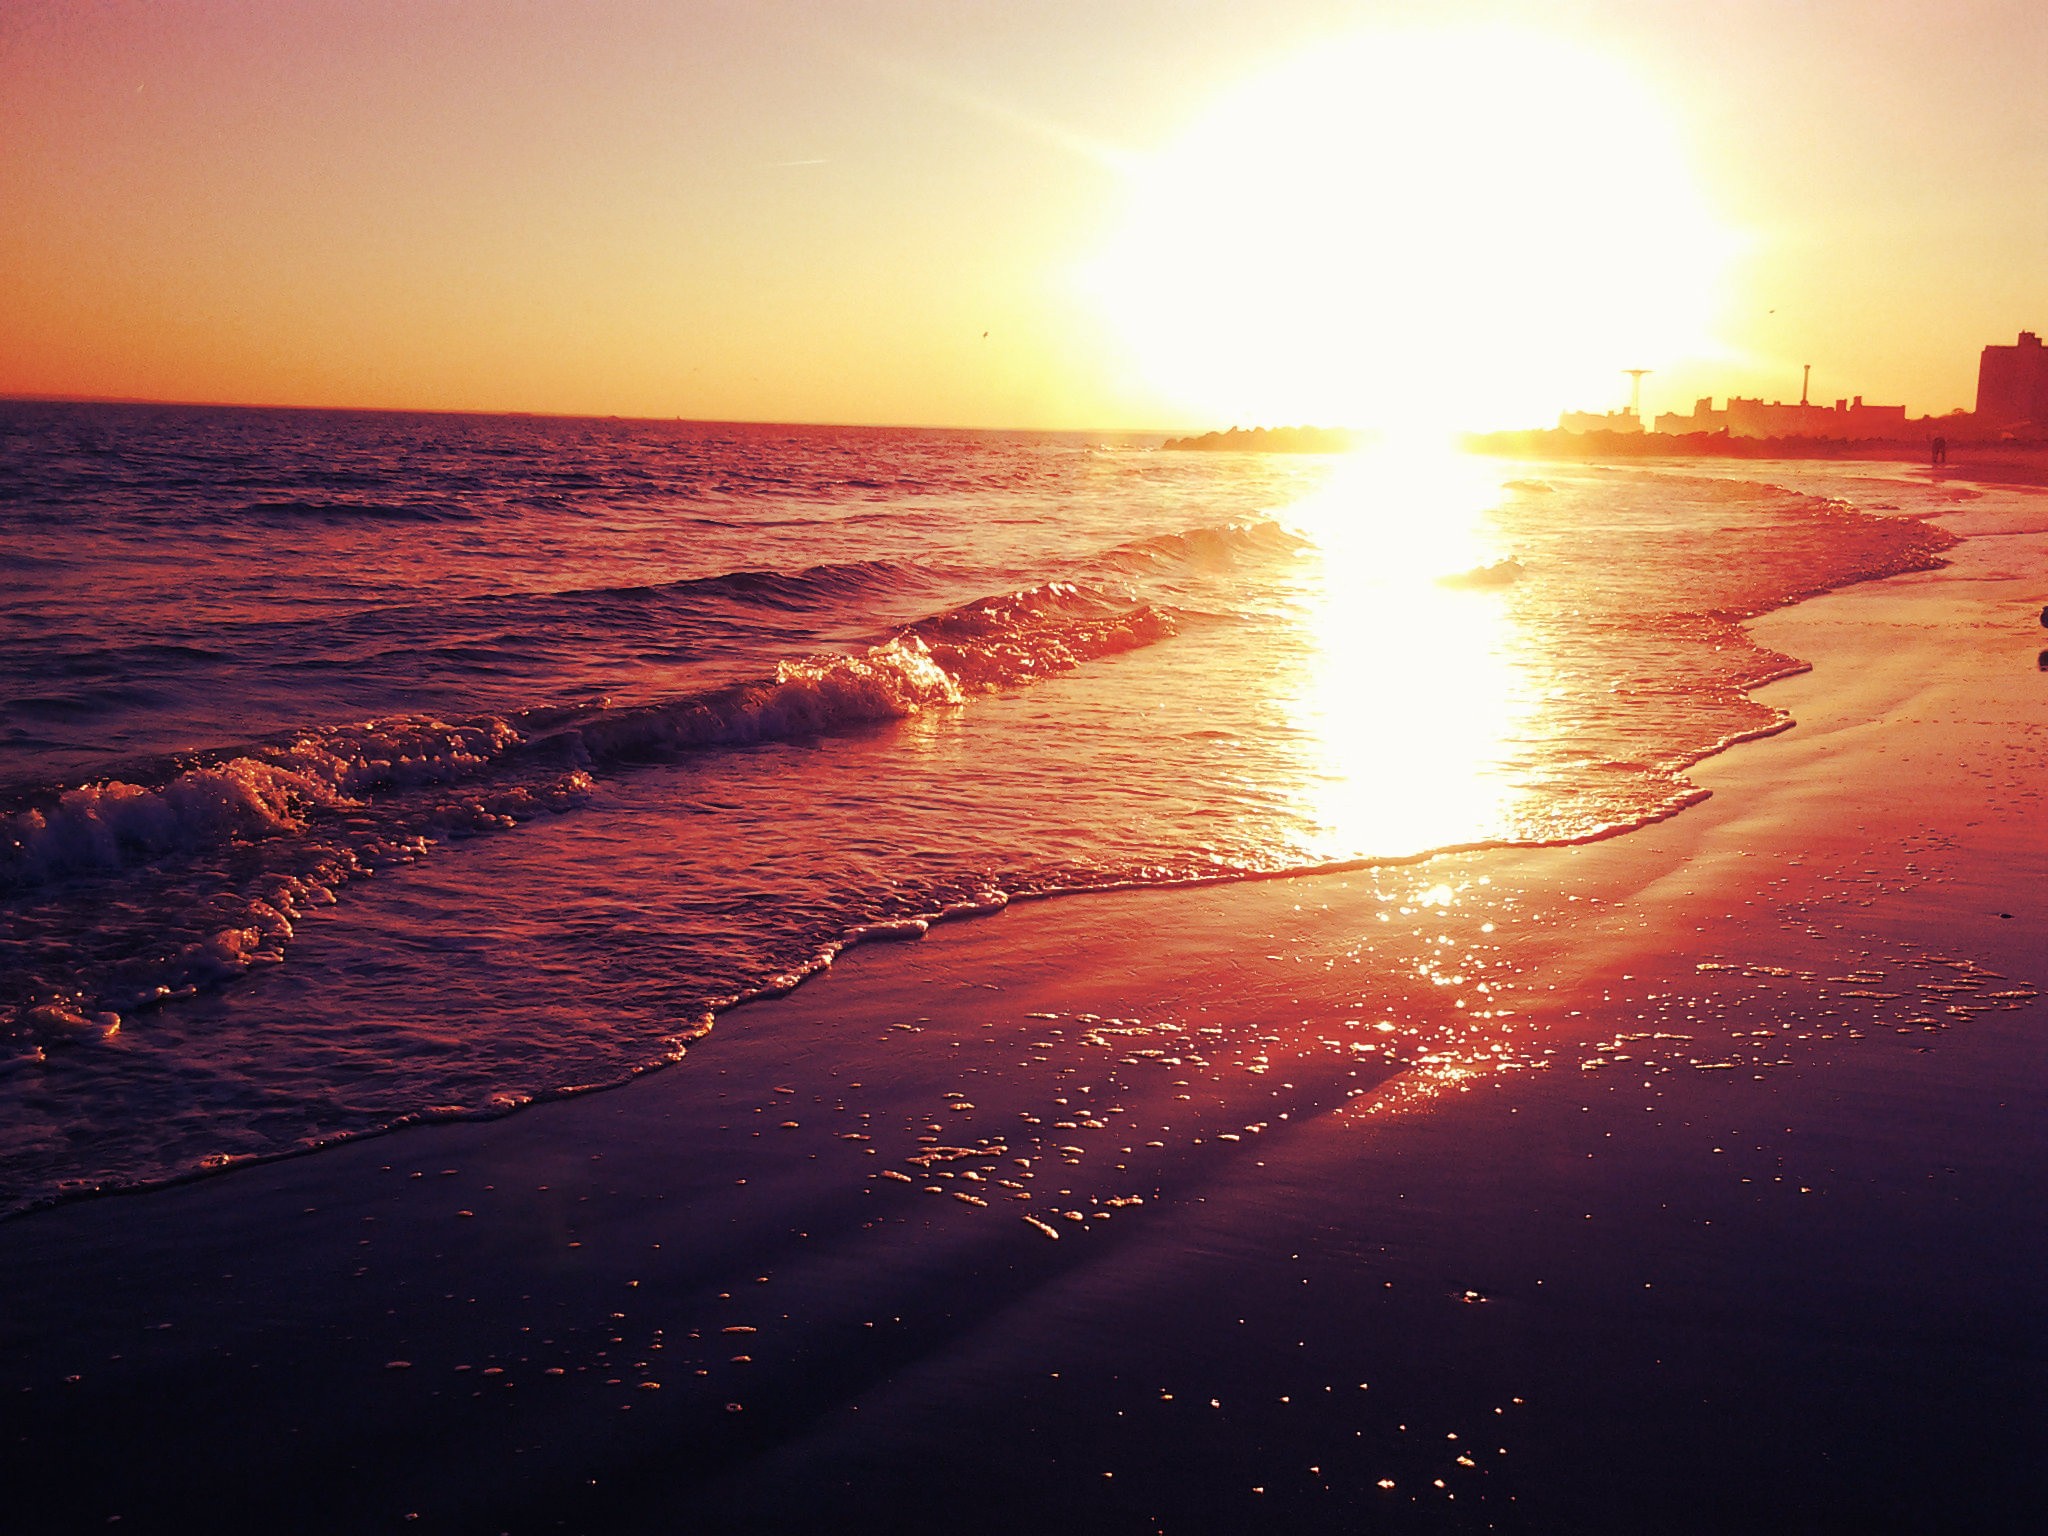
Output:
x=984 y=335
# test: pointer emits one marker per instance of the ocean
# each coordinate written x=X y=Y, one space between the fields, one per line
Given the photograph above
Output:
x=359 y=769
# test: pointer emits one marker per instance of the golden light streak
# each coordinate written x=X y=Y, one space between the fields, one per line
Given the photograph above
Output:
x=1409 y=685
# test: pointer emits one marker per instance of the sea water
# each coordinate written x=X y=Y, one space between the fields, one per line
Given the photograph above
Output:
x=362 y=768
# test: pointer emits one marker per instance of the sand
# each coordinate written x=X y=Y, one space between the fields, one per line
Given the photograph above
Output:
x=1716 y=1208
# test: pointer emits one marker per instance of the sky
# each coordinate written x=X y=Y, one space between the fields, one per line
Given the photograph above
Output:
x=1118 y=214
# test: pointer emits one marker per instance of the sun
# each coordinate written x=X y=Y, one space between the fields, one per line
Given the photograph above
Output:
x=1415 y=230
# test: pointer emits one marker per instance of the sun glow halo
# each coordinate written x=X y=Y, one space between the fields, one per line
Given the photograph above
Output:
x=1416 y=231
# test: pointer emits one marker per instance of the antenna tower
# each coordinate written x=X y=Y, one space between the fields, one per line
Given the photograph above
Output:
x=1635 y=391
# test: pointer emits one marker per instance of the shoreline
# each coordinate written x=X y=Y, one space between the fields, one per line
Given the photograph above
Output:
x=914 y=925
x=475 y=1346
x=1990 y=461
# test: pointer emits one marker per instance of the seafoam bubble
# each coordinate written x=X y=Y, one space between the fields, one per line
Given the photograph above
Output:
x=63 y=1023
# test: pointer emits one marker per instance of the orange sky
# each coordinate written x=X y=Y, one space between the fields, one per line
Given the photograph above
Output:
x=813 y=212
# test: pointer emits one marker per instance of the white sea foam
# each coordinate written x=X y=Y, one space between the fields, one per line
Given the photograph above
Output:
x=264 y=792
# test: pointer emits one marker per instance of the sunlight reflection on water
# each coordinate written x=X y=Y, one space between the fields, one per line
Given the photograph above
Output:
x=1410 y=686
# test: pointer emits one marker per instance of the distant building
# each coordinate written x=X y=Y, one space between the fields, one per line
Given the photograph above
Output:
x=1757 y=418
x=2012 y=384
x=1600 y=421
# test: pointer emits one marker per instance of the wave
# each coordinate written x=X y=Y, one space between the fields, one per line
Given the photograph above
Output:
x=214 y=856
x=809 y=588
x=998 y=642
x=372 y=511
x=243 y=796
x=269 y=789
x=1225 y=547
x=979 y=647
x=816 y=588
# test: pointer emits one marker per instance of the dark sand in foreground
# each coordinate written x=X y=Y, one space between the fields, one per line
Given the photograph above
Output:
x=1718 y=1210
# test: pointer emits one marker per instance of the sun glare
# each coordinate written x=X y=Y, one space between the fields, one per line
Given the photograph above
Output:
x=1416 y=231
x=1410 y=686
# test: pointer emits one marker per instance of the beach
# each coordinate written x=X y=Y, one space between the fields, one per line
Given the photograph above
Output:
x=1692 y=1185
x=819 y=770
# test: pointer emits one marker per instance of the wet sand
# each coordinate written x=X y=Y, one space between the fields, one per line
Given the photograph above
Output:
x=1694 y=1184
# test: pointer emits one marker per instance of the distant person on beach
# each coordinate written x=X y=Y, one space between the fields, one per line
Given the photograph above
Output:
x=1938 y=451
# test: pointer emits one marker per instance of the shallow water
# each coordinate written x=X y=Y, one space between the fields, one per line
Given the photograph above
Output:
x=369 y=767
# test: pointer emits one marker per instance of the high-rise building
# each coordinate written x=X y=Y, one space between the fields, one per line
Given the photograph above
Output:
x=2012 y=383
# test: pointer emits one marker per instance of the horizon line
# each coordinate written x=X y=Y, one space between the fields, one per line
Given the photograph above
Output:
x=44 y=397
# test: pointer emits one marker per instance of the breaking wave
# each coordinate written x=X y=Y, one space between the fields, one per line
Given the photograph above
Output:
x=216 y=855
x=268 y=790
